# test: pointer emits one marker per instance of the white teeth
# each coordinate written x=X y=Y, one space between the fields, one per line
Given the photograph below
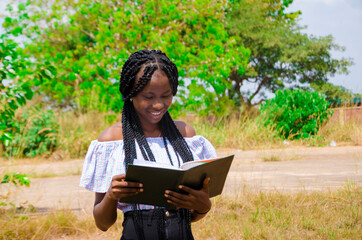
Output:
x=155 y=113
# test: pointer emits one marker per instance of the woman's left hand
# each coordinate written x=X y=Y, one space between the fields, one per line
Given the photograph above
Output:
x=197 y=200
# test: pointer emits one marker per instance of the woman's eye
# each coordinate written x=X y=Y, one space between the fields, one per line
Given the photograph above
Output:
x=148 y=97
x=167 y=96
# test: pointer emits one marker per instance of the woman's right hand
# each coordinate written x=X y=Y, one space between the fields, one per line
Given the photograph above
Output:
x=120 y=188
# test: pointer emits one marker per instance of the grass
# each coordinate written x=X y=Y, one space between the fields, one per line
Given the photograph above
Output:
x=77 y=130
x=49 y=226
x=277 y=155
x=317 y=215
x=246 y=215
x=34 y=174
x=343 y=133
x=271 y=158
x=237 y=132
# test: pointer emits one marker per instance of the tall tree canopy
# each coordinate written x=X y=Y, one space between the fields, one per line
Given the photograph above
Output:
x=89 y=40
x=281 y=54
x=220 y=47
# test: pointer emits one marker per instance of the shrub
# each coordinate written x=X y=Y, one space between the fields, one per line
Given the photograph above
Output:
x=296 y=113
x=18 y=77
x=34 y=133
x=16 y=178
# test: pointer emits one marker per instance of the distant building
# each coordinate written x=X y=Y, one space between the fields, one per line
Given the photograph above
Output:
x=355 y=102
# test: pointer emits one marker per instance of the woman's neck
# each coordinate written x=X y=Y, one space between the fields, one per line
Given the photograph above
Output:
x=152 y=132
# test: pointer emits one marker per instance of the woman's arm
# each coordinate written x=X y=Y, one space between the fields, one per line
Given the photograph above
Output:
x=104 y=211
x=105 y=205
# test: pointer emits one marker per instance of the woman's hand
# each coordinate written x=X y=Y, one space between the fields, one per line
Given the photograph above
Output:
x=120 y=188
x=197 y=200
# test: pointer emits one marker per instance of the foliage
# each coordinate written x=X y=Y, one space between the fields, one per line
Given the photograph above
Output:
x=16 y=178
x=89 y=41
x=281 y=54
x=34 y=133
x=17 y=77
x=336 y=95
x=296 y=113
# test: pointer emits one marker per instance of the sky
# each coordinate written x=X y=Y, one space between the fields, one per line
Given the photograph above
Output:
x=343 y=20
x=340 y=18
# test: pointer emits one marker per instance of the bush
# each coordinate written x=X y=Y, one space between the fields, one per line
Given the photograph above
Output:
x=18 y=77
x=34 y=133
x=296 y=113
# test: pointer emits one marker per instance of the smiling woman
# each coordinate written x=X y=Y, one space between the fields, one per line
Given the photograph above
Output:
x=153 y=102
x=148 y=83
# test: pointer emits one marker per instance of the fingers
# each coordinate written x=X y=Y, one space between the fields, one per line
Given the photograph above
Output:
x=205 y=186
x=126 y=190
x=120 y=188
x=187 y=189
x=177 y=199
x=194 y=199
x=174 y=195
x=124 y=184
x=119 y=177
x=119 y=181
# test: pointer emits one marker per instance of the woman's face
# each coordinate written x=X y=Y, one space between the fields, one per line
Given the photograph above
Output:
x=154 y=99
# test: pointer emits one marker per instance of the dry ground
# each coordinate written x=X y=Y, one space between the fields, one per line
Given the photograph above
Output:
x=55 y=184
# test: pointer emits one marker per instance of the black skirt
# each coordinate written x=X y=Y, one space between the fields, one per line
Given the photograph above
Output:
x=157 y=224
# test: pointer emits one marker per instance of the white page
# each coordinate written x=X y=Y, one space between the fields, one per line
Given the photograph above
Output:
x=152 y=164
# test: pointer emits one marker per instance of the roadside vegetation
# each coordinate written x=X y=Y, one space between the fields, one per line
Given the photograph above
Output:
x=245 y=215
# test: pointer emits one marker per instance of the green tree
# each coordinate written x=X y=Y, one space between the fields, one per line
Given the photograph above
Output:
x=18 y=75
x=88 y=41
x=281 y=54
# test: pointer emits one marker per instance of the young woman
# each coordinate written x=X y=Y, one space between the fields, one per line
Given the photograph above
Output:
x=148 y=83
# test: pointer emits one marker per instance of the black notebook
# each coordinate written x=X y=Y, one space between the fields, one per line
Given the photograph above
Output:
x=156 y=179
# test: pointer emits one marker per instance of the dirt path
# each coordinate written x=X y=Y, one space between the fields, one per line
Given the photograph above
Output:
x=292 y=169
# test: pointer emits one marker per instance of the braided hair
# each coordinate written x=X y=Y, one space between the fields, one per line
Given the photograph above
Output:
x=150 y=60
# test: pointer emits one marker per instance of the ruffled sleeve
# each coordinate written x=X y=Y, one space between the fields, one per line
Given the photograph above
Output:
x=201 y=148
x=102 y=162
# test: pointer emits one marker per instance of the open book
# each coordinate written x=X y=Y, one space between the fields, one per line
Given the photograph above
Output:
x=156 y=178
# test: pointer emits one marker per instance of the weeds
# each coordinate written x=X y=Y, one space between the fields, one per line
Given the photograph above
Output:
x=317 y=215
x=77 y=130
x=246 y=215
x=237 y=132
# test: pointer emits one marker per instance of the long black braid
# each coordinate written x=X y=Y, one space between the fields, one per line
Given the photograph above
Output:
x=151 y=60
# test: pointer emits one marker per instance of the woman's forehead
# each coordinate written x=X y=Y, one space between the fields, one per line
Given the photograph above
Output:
x=159 y=82
x=141 y=72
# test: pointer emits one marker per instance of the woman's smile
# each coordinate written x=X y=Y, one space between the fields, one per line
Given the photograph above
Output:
x=158 y=115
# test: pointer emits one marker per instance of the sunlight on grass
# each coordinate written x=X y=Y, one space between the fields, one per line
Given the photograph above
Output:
x=331 y=215
x=237 y=132
x=245 y=215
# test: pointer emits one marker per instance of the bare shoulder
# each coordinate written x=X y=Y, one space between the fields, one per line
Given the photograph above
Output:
x=113 y=133
x=185 y=129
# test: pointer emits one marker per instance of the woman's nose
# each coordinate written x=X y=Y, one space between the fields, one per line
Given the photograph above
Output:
x=158 y=104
